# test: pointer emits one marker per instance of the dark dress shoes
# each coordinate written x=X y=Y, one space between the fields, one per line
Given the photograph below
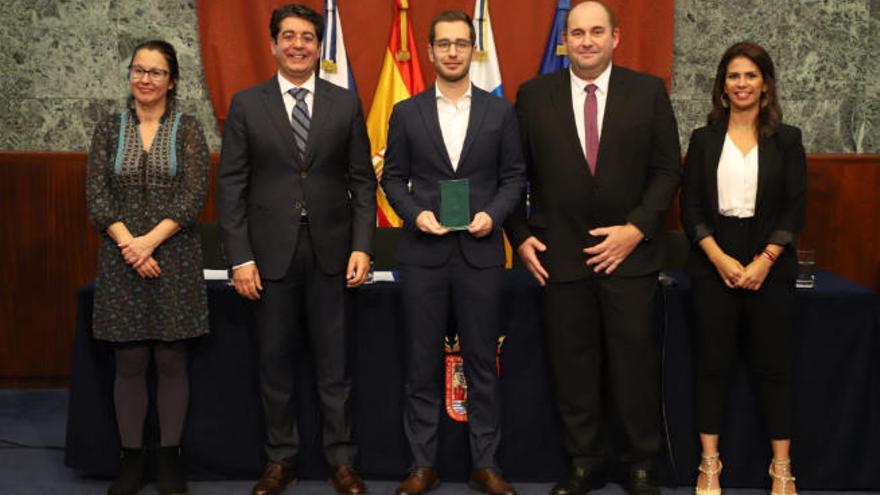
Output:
x=579 y=481
x=488 y=480
x=640 y=482
x=170 y=475
x=275 y=479
x=420 y=480
x=346 y=480
x=131 y=473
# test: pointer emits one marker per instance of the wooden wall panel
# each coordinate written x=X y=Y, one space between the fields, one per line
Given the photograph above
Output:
x=48 y=250
x=49 y=247
x=843 y=216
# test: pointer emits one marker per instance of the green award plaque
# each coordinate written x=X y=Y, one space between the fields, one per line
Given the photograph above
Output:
x=455 y=208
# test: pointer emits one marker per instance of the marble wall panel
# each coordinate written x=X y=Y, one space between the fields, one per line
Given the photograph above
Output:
x=64 y=64
x=825 y=57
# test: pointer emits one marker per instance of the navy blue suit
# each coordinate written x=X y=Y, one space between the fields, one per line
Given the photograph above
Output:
x=454 y=274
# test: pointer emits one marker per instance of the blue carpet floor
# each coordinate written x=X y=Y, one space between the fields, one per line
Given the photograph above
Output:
x=32 y=424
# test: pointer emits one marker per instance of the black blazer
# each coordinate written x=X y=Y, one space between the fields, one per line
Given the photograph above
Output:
x=779 y=206
x=263 y=185
x=637 y=171
x=416 y=159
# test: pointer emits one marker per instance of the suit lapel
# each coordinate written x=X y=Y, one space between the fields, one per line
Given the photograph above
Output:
x=277 y=114
x=713 y=154
x=615 y=109
x=479 y=103
x=562 y=106
x=768 y=158
x=427 y=104
x=321 y=111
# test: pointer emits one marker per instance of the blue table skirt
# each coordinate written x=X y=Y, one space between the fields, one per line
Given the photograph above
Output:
x=837 y=391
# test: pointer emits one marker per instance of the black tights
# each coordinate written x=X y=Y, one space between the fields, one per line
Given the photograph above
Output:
x=130 y=391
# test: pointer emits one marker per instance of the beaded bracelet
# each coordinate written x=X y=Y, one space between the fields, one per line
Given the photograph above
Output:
x=767 y=254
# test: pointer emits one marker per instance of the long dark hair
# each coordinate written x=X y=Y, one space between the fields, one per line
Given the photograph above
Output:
x=770 y=114
x=169 y=53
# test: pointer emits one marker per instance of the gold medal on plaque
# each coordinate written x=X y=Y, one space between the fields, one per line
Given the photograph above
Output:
x=329 y=66
x=402 y=55
x=561 y=51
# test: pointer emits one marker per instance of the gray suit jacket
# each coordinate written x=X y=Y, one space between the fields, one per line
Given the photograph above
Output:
x=263 y=184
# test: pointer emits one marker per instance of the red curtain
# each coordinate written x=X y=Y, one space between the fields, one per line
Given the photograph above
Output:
x=235 y=39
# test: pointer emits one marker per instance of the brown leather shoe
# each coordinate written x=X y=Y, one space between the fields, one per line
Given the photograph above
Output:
x=420 y=480
x=346 y=480
x=275 y=479
x=488 y=480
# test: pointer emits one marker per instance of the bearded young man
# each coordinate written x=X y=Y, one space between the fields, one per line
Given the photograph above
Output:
x=452 y=131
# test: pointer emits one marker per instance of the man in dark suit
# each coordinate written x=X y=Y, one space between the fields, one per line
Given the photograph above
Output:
x=602 y=153
x=453 y=130
x=296 y=204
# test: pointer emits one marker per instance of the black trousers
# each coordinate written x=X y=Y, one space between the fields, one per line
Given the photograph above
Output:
x=474 y=297
x=306 y=301
x=600 y=331
x=759 y=321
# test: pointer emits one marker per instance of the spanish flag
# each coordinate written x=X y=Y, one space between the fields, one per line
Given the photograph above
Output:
x=401 y=77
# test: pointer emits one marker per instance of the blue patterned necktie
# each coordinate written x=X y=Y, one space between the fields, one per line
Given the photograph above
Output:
x=299 y=119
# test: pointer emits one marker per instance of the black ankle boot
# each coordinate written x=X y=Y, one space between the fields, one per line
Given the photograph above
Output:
x=169 y=471
x=131 y=473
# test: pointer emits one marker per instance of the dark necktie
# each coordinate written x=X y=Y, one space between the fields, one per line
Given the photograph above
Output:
x=591 y=126
x=299 y=119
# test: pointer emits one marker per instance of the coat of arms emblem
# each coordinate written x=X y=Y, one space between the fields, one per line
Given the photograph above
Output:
x=456 y=384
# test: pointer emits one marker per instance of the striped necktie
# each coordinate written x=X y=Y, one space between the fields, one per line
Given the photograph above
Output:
x=299 y=119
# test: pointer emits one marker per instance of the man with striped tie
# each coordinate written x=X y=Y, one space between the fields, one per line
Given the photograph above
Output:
x=296 y=206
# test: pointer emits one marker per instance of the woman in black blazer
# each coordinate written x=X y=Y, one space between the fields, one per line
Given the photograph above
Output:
x=742 y=206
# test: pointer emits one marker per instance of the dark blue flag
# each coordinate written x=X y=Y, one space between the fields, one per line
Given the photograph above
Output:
x=554 y=57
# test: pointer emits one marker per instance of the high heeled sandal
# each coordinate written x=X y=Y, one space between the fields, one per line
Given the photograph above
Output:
x=783 y=479
x=710 y=474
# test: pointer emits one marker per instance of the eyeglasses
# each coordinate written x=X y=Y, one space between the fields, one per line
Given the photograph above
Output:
x=288 y=37
x=137 y=73
x=460 y=45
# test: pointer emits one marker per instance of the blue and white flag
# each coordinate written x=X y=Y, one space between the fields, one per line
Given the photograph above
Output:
x=485 y=72
x=334 y=60
x=554 y=57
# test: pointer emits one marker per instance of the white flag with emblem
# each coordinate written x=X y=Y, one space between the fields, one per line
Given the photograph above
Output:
x=334 y=60
x=485 y=72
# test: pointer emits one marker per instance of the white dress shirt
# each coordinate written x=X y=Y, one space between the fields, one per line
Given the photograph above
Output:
x=737 y=180
x=289 y=100
x=579 y=95
x=453 y=122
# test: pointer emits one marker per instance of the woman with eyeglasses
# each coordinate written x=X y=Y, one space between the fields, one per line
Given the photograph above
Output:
x=742 y=206
x=147 y=181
